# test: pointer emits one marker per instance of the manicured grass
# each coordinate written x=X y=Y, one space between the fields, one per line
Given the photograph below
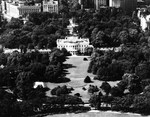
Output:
x=98 y=114
x=76 y=74
x=80 y=67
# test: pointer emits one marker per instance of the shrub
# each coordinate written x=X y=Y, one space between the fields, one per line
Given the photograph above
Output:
x=85 y=59
x=87 y=80
x=93 y=89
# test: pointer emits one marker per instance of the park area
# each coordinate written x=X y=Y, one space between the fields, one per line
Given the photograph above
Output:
x=95 y=113
x=77 y=73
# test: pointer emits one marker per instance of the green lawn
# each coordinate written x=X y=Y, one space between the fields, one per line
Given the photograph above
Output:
x=77 y=74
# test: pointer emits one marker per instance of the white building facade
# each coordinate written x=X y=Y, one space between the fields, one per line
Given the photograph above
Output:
x=17 y=9
x=73 y=44
x=144 y=19
x=126 y=5
x=29 y=9
x=99 y=3
x=50 y=6
x=115 y=3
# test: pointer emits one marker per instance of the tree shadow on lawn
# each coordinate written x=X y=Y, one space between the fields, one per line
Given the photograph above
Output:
x=65 y=71
x=67 y=66
x=62 y=80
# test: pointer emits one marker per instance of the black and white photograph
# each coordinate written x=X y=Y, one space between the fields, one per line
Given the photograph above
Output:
x=74 y=58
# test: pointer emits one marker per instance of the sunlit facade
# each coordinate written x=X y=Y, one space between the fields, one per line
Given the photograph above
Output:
x=17 y=9
x=99 y=3
x=126 y=5
x=50 y=6
x=73 y=44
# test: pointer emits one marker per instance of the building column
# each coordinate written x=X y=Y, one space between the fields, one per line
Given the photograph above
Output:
x=110 y=3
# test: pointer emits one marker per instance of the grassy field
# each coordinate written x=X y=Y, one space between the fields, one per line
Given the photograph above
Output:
x=80 y=67
x=98 y=114
x=77 y=74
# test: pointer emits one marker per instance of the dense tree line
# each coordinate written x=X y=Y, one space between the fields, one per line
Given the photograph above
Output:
x=111 y=65
x=128 y=64
x=107 y=27
x=17 y=77
x=130 y=95
x=41 y=30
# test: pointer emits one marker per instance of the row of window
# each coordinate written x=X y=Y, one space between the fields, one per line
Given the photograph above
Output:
x=74 y=52
x=22 y=11
x=50 y=6
x=76 y=46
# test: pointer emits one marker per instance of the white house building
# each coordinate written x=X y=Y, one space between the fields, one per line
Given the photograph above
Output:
x=73 y=44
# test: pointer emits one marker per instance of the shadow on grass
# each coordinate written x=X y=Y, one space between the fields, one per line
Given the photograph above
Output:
x=64 y=72
x=62 y=80
x=67 y=66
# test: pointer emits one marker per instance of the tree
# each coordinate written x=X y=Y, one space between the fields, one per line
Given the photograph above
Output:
x=34 y=17
x=60 y=90
x=3 y=59
x=73 y=100
x=30 y=46
x=116 y=92
x=14 y=23
x=88 y=51
x=106 y=87
x=122 y=85
x=99 y=40
x=95 y=101
x=6 y=103
x=53 y=91
x=135 y=88
x=123 y=103
x=124 y=37
x=141 y=104
x=87 y=79
x=63 y=9
x=38 y=70
x=92 y=89
x=134 y=84
x=24 y=84
x=142 y=70
x=53 y=73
